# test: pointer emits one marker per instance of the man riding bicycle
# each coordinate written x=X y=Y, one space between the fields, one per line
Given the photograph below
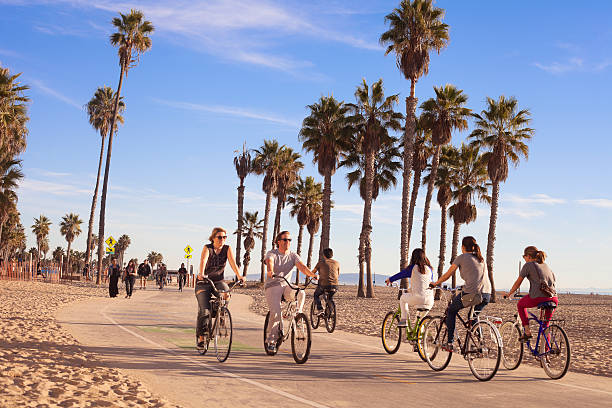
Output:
x=328 y=269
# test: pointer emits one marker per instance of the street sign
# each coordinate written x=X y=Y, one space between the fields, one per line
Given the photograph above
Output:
x=188 y=250
x=188 y=256
x=110 y=250
x=110 y=241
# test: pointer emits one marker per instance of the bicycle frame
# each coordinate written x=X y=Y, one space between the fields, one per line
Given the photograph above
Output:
x=411 y=331
x=542 y=326
x=289 y=306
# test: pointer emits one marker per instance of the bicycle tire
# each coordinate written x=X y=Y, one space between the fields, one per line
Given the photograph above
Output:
x=420 y=336
x=314 y=316
x=513 y=349
x=434 y=335
x=223 y=334
x=330 y=316
x=559 y=346
x=484 y=350
x=390 y=333
x=300 y=332
x=265 y=337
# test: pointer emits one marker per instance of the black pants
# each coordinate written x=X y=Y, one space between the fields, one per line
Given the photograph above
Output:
x=129 y=284
x=319 y=291
x=113 y=290
x=181 y=281
x=204 y=295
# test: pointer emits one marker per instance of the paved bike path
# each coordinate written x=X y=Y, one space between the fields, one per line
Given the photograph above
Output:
x=151 y=337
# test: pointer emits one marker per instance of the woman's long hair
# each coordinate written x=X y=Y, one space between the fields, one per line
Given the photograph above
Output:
x=419 y=258
x=535 y=253
x=470 y=245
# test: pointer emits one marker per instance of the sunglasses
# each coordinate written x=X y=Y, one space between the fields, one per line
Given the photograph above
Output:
x=221 y=237
x=285 y=239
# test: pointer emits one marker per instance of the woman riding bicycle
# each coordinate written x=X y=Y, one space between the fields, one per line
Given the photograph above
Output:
x=419 y=295
x=538 y=274
x=280 y=263
x=212 y=264
x=473 y=271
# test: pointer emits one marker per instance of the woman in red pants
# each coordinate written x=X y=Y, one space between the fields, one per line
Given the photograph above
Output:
x=537 y=272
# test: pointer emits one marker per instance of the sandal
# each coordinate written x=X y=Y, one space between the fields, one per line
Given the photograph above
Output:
x=525 y=338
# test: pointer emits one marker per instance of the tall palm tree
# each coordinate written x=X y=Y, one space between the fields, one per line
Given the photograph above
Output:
x=415 y=29
x=266 y=162
x=132 y=38
x=288 y=173
x=314 y=222
x=251 y=228
x=44 y=247
x=442 y=115
x=100 y=110
x=154 y=258
x=10 y=175
x=326 y=132
x=13 y=113
x=58 y=253
x=70 y=228
x=503 y=130
x=242 y=163
x=122 y=245
x=302 y=197
x=41 y=228
x=386 y=166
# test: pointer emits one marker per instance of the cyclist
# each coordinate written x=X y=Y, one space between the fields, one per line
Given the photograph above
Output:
x=182 y=276
x=328 y=269
x=212 y=264
x=280 y=262
x=419 y=295
x=473 y=271
x=538 y=273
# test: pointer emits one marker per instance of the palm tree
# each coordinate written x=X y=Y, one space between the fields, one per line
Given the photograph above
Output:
x=302 y=197
x=10 y=174
x=441 y=115
x=266 y=163
x=122 y=244
x=41 y=228
x=502 y=129
x=154 y=258
x=251 y=228
x=100 y=111
x=70 y=228
x=243 y=165
x=58 y=253
x=326 y=132
x=132 y=38
x=44 y=247
x=314 y=222
x=415 y=29
x=289 y=166
x=13 y=113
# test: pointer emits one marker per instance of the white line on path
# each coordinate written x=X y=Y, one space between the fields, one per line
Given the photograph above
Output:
x=226 y=373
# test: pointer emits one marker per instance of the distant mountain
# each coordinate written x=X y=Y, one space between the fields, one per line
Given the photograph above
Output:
x=353 y=279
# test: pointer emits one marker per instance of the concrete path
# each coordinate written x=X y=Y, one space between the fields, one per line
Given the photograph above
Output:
x=151 y=337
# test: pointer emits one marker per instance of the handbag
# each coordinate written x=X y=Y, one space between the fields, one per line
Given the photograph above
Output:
x=544 y=287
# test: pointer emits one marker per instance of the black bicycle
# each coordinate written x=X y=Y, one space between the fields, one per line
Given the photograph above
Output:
x=219 y=327
x=293 y=323
x=329 y=311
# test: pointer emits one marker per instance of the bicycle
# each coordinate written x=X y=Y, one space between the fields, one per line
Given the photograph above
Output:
x=292 y=323
x=553 y=352
x=329 y=311
x=482 y=346
x=391 y=333
x=220 y=327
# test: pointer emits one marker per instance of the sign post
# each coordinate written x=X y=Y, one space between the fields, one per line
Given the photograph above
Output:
x=188 y=251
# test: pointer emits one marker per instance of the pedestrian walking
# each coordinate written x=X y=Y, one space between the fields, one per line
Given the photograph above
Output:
x=114 y=272
x=129 y=277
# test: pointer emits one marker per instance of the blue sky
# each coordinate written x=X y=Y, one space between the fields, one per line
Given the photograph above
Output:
x=224 y=72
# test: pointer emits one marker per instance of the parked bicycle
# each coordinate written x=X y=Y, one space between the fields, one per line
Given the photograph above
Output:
x=292 y=323
x=329 y=311
x=392 y=334
x=219 y=327
x=482 y=346
x=551 y=349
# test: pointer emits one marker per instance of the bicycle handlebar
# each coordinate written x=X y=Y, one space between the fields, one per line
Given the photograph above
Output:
x=215 y=290
x=291 y=285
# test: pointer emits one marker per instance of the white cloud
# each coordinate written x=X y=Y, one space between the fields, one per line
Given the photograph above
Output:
x=522 y=212
x=534 y=199
x=573 y=64
x=56 y=94
x=597 y=202
x=52 y=188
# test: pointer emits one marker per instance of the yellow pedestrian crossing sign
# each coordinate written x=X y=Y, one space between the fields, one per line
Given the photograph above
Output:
x=187 y=256
x=110 y=241
x=188 y=250
x=110 y=250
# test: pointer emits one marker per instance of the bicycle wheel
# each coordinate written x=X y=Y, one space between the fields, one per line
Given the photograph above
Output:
x=314 y=316
x=512 y=351
x=223 y=334
x=330 y=316
x=265 y=337
x=391 y=334
x=421 y=336
x=300 y=338
x=434 y=335
x=555 y=352
x=484 y=350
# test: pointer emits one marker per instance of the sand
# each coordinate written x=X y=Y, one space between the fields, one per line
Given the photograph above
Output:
x=41 y=365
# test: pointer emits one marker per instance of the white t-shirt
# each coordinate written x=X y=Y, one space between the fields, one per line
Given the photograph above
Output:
x=419 y=282
x=283 y=266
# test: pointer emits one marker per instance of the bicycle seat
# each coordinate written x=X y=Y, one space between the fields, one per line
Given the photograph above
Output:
x=547 y=305
x=423 y=309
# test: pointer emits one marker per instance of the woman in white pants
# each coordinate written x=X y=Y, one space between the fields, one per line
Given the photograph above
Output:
x=280 y=262
x=420 y=273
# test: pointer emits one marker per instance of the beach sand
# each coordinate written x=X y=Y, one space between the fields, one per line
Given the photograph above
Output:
x=587 y=320
x=41 y=365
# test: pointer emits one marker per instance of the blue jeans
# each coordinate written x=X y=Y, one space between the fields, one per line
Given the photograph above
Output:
x=454 y=308
x=319 y=291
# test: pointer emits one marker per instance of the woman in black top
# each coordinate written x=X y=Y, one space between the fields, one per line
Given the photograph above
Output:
x=129 y=277
x=113 y=278
x=212 y=264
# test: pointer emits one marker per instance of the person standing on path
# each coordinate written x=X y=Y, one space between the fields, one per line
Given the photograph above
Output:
x=129 y=277
x=114 y=272
x=328 y=269
x=144 y=270
x=182 y=277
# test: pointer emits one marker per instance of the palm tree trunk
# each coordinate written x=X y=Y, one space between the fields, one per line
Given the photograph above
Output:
x=239 y=231
x=361 y=259
x=368 y=254
x=455 y=250
x=265 y=234
x=442 y=256
x=430 y=187
x=299 y=251
x=279 y=204
x=247 y=259
x=491 y=238
x=310 y=246
x=366 y=226
x=93 y=205
x=411 y=103
x=413 y=198
x=325 y=220
x=68 y=258
x=106 y=171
